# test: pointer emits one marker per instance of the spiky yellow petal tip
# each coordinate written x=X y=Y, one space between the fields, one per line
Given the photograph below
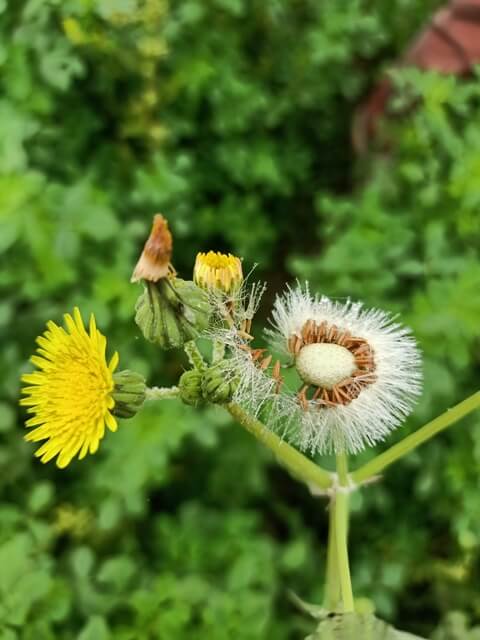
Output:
x=71 y=393
x=215 y=270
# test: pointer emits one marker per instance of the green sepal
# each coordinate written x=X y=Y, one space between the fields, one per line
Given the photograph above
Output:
x=172 y=312
x=129 y=393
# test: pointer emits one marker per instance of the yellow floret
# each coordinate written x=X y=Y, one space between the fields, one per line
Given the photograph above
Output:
x=215 y=270
x=70 y=396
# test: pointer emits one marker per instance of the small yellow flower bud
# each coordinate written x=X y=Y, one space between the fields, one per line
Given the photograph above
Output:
x=215 y=270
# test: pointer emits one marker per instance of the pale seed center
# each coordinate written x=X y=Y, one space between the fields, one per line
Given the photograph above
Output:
x=324 y=364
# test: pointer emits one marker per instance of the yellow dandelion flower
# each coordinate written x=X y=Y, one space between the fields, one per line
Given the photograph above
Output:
x=71 y=394
x=215 y=270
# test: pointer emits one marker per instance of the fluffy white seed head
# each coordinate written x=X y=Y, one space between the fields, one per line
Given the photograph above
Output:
x=324 y=365
x=380 y=406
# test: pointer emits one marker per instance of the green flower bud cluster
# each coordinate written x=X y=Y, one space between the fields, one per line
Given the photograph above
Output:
x=129 y=393
x=190 y=385
x=217 y=384
x=172 y=311
x=212 y=385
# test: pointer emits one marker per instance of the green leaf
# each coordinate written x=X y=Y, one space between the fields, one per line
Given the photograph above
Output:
x=95 y=629
x=40 y=497
x=350 y=626
x=7 y=417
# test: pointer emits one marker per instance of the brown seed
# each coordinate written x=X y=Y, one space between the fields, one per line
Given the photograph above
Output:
x=342 y=339
x=307 y=330
x=364 y=360
x=298 y=345
x=336 y=396
x=344 y=395
x=302 y=397
x=291 y=343
x=276 y=370
x=257 y=354
x=245 y=335
x=317 y=393
x=332 y=333
x=265 y=362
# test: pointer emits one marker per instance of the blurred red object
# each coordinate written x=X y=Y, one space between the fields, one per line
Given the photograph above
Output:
x=450 y=43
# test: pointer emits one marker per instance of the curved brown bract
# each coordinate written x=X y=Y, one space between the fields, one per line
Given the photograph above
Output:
x=450 y=43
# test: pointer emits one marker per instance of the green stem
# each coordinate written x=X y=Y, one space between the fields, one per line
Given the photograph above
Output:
x=161 y=393
x=342 y=469
x=341 y=533
x=414 y=440
x=296 y=463
x=332 y=587
x=194 y=356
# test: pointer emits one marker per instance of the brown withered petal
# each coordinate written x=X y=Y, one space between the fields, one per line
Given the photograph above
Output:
x=154 y=263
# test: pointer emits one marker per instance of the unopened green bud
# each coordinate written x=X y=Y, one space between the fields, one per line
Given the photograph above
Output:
x=172 y=311
x=129 y=393
x=218 y=384
x=190 y=385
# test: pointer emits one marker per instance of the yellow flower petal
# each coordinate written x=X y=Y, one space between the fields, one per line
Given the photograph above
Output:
x=71 y=394
x=111 y=422
x=114 y=362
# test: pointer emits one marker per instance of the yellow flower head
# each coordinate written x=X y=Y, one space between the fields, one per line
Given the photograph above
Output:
x=215 y=270
x=71 y=395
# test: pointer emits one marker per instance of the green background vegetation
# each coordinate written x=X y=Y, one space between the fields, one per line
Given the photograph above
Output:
x=232 y=117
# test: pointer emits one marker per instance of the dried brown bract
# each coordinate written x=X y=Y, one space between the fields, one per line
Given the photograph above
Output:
x=154 y=262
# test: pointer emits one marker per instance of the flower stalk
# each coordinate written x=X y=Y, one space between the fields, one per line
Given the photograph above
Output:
x=296 y=463
x=414 y=440
x=332 y=586
x=340 y=506
x=161 y=393
x=194 y=356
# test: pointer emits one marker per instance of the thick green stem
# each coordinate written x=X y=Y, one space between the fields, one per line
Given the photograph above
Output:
x=414 y=440
x=341 y=533
x=194 y=356
x=161 y=393
x=296 y=463
x=332 y=586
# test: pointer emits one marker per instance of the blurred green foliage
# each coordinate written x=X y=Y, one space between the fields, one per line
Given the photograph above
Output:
x=233 y=118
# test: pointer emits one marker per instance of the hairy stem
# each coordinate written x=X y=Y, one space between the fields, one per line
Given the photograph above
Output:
x=161 y=393
x=295 y=462
x=194 y=356
x=341 y=533
x=414 y=440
